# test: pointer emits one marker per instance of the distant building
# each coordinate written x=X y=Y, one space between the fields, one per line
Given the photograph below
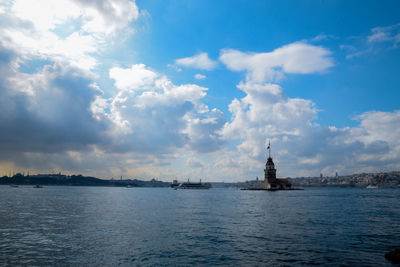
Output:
x=270 y=180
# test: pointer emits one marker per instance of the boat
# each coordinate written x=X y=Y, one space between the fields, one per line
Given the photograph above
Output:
x=372 y=186
x=189 y=185
x=175 y=184
x=14 y=185
x=38 y=186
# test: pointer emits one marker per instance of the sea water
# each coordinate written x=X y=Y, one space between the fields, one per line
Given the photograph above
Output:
x=109 y=226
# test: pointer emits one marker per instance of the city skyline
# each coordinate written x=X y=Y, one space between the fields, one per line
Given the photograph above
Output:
x=198 y=88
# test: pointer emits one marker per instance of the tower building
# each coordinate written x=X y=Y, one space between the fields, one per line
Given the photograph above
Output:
x=270 y=180
x=270 y=171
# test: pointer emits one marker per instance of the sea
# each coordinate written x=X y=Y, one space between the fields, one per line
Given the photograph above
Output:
x=112 y=226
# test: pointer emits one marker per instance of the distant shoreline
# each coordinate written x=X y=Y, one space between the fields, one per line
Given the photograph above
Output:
x=76 y=180
x=361 y=180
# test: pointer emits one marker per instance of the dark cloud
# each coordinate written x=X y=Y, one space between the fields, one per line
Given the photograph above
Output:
x=47 y=111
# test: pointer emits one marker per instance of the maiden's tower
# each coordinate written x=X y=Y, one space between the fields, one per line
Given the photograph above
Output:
x=270 y=181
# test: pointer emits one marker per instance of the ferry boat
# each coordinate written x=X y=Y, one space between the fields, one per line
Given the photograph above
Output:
x=175 y=184
x=189 y=185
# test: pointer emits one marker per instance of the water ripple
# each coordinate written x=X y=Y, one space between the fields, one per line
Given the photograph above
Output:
x=92 y=226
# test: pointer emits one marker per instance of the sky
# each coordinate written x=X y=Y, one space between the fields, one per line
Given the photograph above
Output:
x=198 y=89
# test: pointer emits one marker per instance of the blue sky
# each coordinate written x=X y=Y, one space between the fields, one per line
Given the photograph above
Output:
x=191 y=27
x=196 y=89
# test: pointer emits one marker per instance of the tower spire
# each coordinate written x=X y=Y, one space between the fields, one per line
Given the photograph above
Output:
x=269 y=148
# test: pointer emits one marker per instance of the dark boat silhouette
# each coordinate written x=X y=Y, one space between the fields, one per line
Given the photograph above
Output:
x=190 y=185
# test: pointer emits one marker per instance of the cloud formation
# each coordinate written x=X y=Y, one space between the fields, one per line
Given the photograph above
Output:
x=199 y=61
x=380 y=39
x=298 y=58
x=56 y=116
x=68 y=32
x=156 y=115
x=48 y=111
x=300 y=146
x=147 y=115
x=385 y=34
x=199 y=76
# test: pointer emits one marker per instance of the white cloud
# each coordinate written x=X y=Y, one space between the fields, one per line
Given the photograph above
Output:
x=199 y=76
x=322 y=37
x=299 y=58
x=96 y=17
x=174 y=67
x=107 y=17
x=137 y=77
x=378 y=125
x=64 y=31
x=266 y=112
x=381 y=38
x=154 y=114
x=385 y=34
x=199 y=61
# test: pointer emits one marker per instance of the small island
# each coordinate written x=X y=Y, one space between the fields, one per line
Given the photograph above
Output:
x=271 y=183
